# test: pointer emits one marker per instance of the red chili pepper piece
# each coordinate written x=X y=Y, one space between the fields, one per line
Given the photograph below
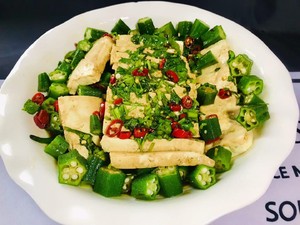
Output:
x=175 y=125
x=96 y=113
x=187 y=102
x=102 y=110
x=41 y=119
x=140 y=73
x=224 y=93
x=175 y=107
x=112 y=79
x=38 y=98
x=124 y=135
x=114 y=128
x=140 y=132
x=180 y=133
x=56 y=107
x=162 y=63
x=172 y=76
x=118 y=101
x=182 y=115
x=107 y=35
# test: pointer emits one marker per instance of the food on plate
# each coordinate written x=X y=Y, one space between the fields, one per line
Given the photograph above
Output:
x=148 y=111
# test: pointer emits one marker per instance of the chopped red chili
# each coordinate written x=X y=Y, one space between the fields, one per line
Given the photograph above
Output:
x=38 y=98
x=140 y=132
x=140 y=73
x=175 y=107
x=56 y=107
x=224 y=93
x=162 y=63
x=175 y=125
x=102 y=110
x=187 y=102
x=124 y=135
x=118 y=101
x=172 y=76
x=180 y=133
x=114 y=128
x=112 y=79
x=41 y=119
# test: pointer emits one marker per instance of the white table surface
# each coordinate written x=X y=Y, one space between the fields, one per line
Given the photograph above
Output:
x=280 y=204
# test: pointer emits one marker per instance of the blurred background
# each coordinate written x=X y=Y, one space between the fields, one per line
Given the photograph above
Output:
x=276 y=22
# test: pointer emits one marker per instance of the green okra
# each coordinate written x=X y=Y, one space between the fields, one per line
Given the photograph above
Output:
x=77 y=56
x=212 y=36
x=109 y=181
x=55 y=126
x=169 y=180
x=71 y=168
x=249 y=84
x=43 y=82
x=183 y=29
x=202 y=177
x=145 y=187
x=240 y=65
x=57 y=147
x=58 y=89
x=222 y=158
x=84 y=45
x=198 y=28
x=94 y=162
x=89 y=91
x=95 y=125
x=92 y=34
x=31 y=107
x=210 y=129
x=251 y=116
x=145 y=25
x=167 y=29
x=206 y=94
x=48 y=105
x=120 y=27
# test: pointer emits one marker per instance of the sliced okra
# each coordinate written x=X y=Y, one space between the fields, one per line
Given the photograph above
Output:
x=222 y=158
x=109 y=181
x=202 y=177
x=57 y=147
x=240 y=65
x=252 y=116
x=71 y=168
x=145 y=187
x=169 y=180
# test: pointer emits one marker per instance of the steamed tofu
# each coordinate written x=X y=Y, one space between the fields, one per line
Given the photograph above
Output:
x=74 y=112
x=89 y=69
x=157 y=145
x=120 y=50
x=133 y=160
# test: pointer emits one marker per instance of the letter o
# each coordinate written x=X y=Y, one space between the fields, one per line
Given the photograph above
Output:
x=281 y=213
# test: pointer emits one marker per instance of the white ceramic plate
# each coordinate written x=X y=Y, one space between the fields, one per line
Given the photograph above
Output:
x=36 y=172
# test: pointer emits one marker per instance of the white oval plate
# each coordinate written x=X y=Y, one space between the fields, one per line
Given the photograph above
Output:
x=36 y=172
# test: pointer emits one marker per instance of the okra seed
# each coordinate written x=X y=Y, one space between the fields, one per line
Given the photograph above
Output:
x=204 y=170
x=74 y=177
x=203 y=183
x=66 y=176
x=79 y=170
x=73 y=164
x=199 y=177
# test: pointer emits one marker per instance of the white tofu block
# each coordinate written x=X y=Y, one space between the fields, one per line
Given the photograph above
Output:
x=74 y=112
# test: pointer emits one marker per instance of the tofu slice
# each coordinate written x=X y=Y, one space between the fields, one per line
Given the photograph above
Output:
x=157 y=145
x=89 y=69
x=74 y=112
x=132 y=160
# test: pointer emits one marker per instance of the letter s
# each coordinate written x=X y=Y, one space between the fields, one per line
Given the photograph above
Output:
x=267 y=206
